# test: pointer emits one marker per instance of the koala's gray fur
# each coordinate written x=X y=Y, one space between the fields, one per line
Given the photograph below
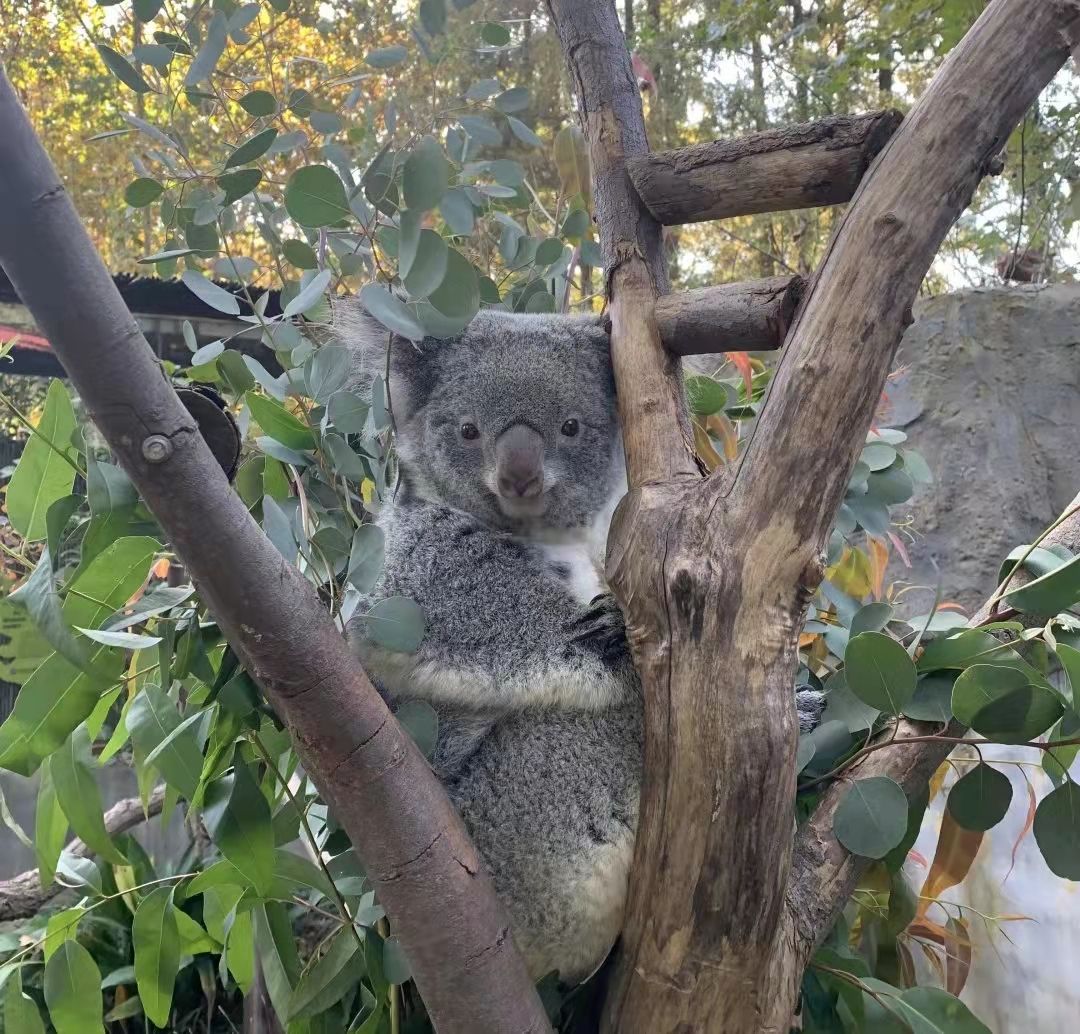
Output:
x=540 y=709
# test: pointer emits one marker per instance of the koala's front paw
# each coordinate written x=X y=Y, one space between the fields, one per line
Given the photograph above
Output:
x=809 y=704
x=602 y=631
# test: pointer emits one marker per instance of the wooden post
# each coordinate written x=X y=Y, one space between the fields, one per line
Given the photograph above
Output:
x=816 y=163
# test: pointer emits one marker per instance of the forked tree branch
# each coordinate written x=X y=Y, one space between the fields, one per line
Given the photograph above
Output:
x=714 y=577
x=414 y=847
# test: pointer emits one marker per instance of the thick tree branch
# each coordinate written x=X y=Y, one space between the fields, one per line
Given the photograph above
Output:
x=23 y=895
x=751 y=316
x=415 y=849
x=815 y=163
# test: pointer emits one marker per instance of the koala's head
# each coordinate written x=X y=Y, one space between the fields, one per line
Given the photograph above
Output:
x=513 y=421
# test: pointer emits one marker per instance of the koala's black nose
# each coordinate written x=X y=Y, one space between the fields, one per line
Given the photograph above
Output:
x=519 y=462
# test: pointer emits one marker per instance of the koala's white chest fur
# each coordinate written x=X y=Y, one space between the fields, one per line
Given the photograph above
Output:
x=584 y=577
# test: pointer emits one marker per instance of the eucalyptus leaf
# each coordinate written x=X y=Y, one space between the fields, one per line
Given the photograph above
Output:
x=879 y=671
x=156 y=941
x=871 y=819
x=980 y=798
x=396 y=624
x=73 y=990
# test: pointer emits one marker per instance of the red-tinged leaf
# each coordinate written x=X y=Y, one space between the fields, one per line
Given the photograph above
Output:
x=646 y=79
x=705 y=448
x=956 y=851
x=720 y=426
x=953 y=605
x=957 y=956
x=879 y=561
x=1029 y=822
x=927 y=930
x=741 y=362
x=898 y=544
x=917 y=858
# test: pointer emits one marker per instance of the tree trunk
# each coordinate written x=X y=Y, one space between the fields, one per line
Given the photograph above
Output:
x=714 y=576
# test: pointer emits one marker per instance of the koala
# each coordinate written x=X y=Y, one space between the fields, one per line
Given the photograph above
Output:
x=510 y=467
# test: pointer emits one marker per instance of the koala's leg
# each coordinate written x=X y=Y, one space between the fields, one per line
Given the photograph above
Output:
x=504 y=631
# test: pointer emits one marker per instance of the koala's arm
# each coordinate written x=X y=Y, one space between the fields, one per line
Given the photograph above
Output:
x=503 y=630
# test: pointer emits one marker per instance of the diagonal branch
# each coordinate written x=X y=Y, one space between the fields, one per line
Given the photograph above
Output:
x=414 y=847
x=842 y=343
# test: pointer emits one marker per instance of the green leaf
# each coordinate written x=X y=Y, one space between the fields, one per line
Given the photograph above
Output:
x=142 y=192
x=548 y=251
x=62 y=926
x=294 y=873
x=494 y=34
x=325 y=983
x=879 y=671
x=421 y=721
x=238 y=819
x=152 y=721
x=386 y=57
x=347 y=412
x=1052 y=593
x=310 y=295
x=705 y=395
x=932 y=701
x=1037 y=561
x=367 y=557
x=456 y=208
x=572 y=162
x=279 y=423
x=872 y=817
x=259 y=103
x=929 y=1010
x=457 y=298
x=123 y=69
x=315 y=196
x=21 y=1014
x=1069 y=658
x=390 y=311
x=576 y=225
x=253 y=148
x=209 y=292
x=426 y=175
x=300 y=254
x=396 y=624
x=79 y=796
x=194 y=940
x=327 y=371
x=1057 y=830
x=217 y=35
x=276 y=947
x=396 y=967
x=238 y=184
x=523 y=132
x=433 y=16
x=73 y=990
x=871 y=618
x=878 y=455
x=58 y=696
x=125 y=640
x=1002 y=704
x=428 y=267
x=50 y=827
x=514 y=99
x=46 y=470
x=156 y=941
x=980 y=799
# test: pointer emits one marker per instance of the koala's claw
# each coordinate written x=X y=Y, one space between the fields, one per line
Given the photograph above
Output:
x=602 y=629
x=809 y=705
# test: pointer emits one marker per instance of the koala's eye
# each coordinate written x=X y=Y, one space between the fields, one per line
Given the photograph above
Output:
x=470 y=432
x=570 y=428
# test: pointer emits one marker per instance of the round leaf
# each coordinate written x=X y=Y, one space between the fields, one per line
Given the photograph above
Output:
x=390 y=311
x=238 y=184
x=878 y=455
x=705 y=395
x=548 y=251
x=980 y=799
x=422 y=723
x=879 y=671
x=300 y=254
x=494 y=34
x=428 y=267
x=458 y=296
x=426 y=176
x=1057 y=830
x=932 y=701
x=315 y=196
x=396 y=624
x=142 y=192
x=1001 y=703
x=872 y=818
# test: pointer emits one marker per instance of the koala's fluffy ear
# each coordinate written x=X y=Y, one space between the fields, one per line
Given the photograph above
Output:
x=368 y=341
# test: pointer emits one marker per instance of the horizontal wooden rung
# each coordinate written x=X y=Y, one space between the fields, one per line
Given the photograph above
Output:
x=802 y=166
